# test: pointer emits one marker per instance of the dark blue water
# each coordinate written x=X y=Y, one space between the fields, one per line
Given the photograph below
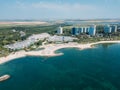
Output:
x=90 y=69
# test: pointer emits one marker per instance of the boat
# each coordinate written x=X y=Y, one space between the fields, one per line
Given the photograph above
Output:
x=4 y=77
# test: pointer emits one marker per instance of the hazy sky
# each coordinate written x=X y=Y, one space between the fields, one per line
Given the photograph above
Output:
x=59 y=9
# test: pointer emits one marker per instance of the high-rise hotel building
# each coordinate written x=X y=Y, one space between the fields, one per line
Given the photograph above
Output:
x=107 y=29
x=60 y=30
x=75 y=31
x=114 y=28
x=92 y=30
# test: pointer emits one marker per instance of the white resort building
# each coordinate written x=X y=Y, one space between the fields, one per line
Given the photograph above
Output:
x=26 y=43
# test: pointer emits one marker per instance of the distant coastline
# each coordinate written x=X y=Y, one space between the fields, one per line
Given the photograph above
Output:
x=13 y=23
x=49 y=50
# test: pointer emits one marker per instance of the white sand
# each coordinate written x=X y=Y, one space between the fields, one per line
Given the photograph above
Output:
x=105 y=42
x=50 y=50
x=12 y=56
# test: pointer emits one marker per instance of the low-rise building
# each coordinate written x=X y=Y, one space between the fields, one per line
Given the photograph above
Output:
x=22 y=33
x=29 y=41
x=56 y=38
x=41 y=36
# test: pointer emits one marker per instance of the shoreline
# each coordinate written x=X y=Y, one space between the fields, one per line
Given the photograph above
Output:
x=49 y=50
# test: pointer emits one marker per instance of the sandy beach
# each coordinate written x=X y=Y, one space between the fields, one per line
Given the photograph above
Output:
x=12 y=56
x=49 y=50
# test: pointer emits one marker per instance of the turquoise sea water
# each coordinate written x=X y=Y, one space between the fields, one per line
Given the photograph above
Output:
x=90 y=69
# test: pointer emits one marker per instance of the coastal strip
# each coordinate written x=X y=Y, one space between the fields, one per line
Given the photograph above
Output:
x=49 y=50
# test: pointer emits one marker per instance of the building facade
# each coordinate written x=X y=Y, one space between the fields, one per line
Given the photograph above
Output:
x=107 y=29
x=87 y=29
x=84 y=29
x=80 y=30
x=75 y=31
x=60 y=30
x=92 y=30
x=114 y=28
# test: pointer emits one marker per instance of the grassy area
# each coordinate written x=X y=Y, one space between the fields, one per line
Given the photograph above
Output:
x=7 y=36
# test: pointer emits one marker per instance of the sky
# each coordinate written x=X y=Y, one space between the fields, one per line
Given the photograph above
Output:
x=59 y=9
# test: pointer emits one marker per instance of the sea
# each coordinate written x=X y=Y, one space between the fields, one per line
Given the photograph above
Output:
x=97 y=68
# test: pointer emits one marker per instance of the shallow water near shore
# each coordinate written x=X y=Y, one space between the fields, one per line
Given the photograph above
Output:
x=89 y=69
